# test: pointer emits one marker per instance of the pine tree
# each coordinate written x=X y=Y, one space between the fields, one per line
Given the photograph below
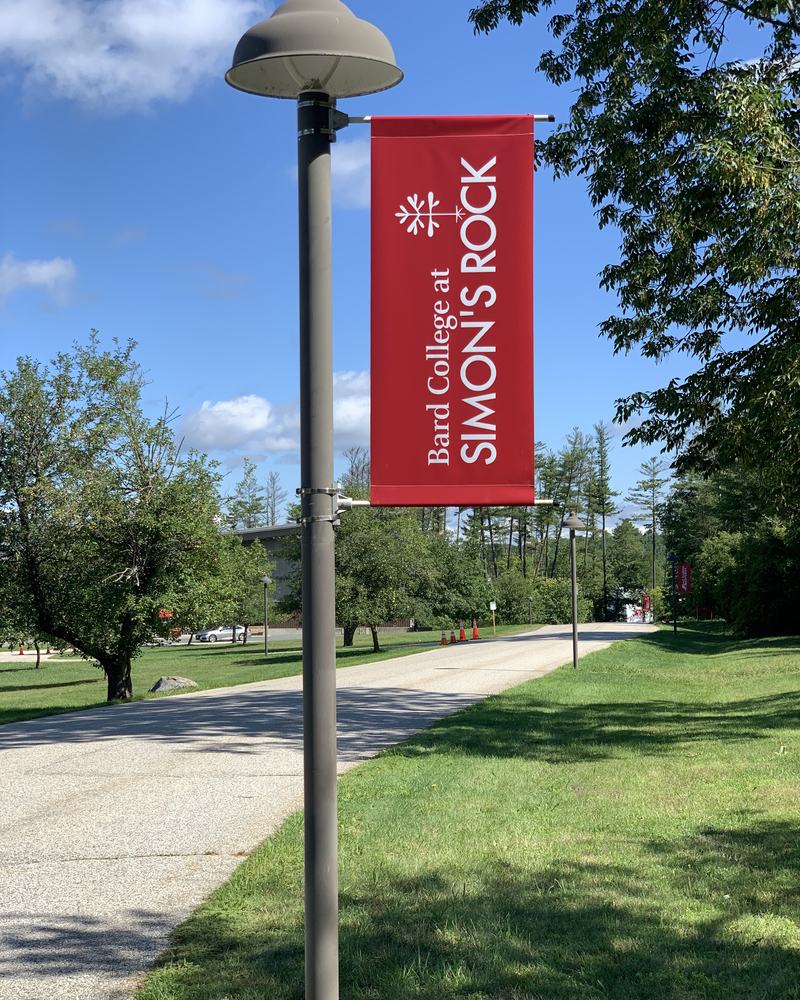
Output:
x=648 y=495
x=247 y=508
x=603 y=496
x=275 y=497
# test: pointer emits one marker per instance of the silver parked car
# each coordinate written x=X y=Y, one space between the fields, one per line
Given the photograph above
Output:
x=222 y=633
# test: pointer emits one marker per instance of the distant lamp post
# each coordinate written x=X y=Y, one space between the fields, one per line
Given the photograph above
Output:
x=673 y=559
x=316 y=51
x=574 y=523
x=530 y=609
x=266 y=580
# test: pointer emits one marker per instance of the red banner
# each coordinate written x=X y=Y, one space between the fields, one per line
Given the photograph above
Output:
x=452 y=311
x=646 y=602
x=683 y=583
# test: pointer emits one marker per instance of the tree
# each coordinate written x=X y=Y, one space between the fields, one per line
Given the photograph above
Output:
x=102 y=520
x=574 y=466
x=698 y=508
x=248 y=507
x=647 y=495
x=380 y=553
x=243 y=593
x=696 y=161
x=628 y=561
x=603 y=497
x=275 y=497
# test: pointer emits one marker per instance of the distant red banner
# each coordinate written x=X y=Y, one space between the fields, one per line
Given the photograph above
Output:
x=646 y=602
x=452 y=311
x=683 y=584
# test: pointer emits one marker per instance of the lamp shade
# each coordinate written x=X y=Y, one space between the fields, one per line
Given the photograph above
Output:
x=573 y=522
x=313 y=45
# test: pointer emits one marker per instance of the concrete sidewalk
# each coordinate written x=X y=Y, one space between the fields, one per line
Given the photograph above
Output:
x=116 y=823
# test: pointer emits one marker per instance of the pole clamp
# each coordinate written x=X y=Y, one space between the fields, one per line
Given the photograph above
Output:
x=333 y=518
x=332 y=491
x=336 y=119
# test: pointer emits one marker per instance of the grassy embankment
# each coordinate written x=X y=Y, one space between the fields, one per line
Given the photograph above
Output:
x=71 y=684
x=628 y=831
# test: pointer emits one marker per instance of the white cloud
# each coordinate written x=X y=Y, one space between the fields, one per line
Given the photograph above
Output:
x=122 y=54
x=350 y=409
x=251 y=424
x=350 y=173
x=55 y=275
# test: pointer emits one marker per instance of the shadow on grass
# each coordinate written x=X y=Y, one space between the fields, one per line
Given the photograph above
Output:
x=514 y=725
x=524 y=728
x=714 y=638
x=46 y=687
x=569 y=931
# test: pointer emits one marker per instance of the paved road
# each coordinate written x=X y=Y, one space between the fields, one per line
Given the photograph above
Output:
x=116 y=823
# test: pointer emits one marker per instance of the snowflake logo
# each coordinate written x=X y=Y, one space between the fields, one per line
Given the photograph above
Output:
x=421 y=214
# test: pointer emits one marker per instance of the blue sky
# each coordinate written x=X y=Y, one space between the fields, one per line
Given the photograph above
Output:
x=144 y=197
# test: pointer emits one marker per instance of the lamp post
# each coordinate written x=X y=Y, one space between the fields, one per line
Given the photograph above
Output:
x=574 y=523
x=673 y=559
x=530 y=609
x=316 y=51
x=266 y=581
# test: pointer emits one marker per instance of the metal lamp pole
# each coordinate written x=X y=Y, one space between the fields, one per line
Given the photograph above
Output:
x=266 y=581
x=316 y=51
x=573 y=522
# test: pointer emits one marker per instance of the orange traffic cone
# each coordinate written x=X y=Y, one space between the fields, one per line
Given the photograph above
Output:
x=461 y=636
x=475 y=629
x=452 y=636
x=444 y=639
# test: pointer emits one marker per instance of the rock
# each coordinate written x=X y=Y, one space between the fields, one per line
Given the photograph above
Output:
x=172 y=684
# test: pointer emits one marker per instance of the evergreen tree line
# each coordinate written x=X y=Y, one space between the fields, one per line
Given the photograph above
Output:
x=444 y=565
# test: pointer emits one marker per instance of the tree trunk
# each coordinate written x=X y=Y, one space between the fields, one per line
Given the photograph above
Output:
x=483 y=549
x=524 y=544
x=605 y=572
x=118 y=674
x=654 y=545
x=376 y=648
x=244 y=637
x=191 y=636
x=555 y=556
x=510 y=540
x=38 y=654
x=543 y=554
x=491 y=543
x=349 y=633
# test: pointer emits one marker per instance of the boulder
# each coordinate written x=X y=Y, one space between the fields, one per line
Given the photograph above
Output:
x=172 y=684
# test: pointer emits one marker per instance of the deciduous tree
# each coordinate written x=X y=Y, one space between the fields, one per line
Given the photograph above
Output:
x=694 y=156
x=101 y=519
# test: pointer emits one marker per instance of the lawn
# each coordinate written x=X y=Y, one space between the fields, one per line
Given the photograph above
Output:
x=72 y=684
x=626 y=831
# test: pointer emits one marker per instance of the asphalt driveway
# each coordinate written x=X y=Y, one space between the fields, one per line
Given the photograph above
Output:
x=116 y=823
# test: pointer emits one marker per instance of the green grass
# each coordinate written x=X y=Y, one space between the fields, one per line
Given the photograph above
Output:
x=628 y=831
x=71 y=684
